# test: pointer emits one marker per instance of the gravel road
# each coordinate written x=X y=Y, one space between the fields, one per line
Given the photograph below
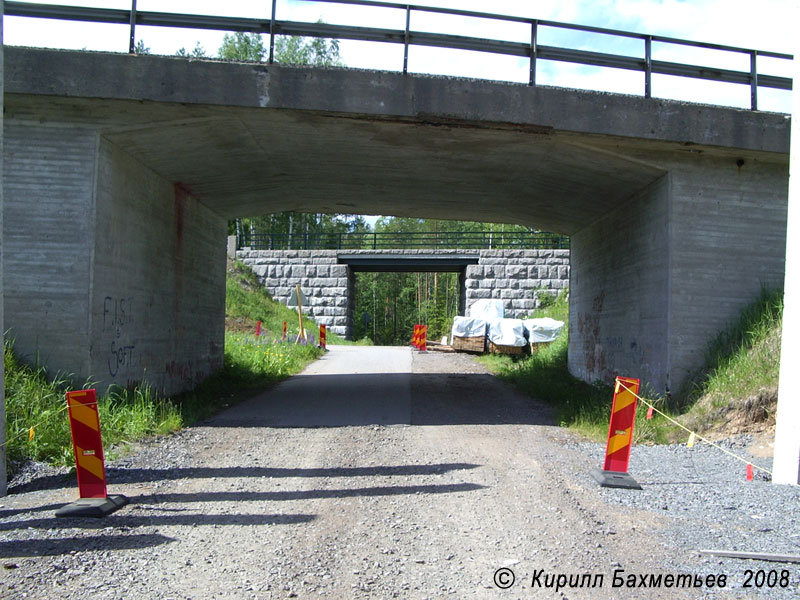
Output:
x=384 y=473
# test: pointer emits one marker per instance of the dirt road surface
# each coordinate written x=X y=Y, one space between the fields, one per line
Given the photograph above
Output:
x=376 y=473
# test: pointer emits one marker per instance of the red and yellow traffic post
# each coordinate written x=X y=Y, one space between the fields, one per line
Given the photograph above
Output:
x=323 y=335
x=84 y=421
x=87 y=444
x=620 y=436
x=415 y=336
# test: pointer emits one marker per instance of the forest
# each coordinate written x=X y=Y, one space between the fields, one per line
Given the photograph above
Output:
x=387 y=305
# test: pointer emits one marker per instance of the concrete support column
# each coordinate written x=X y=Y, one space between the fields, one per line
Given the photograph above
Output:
x=2 y=329
x=786 y=467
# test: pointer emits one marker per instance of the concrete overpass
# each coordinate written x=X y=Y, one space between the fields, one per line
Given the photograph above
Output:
x=121 y=171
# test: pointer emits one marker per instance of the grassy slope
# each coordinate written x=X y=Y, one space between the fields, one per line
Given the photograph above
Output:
x=736 y=392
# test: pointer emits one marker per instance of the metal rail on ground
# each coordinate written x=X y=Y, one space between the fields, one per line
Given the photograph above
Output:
x=532 y=49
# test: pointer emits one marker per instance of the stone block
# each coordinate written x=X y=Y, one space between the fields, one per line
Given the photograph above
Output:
x=479 y=294
x=474 y=272
x=507 y=294
x=323 y=270
x=472 y=283
x=516 y=272
x=523 y=304
x=487 y=284
x=338 y=271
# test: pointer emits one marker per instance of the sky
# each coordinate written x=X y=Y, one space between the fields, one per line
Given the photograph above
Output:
x=764 y=25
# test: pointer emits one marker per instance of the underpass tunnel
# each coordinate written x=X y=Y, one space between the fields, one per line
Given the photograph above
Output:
x=674 y=224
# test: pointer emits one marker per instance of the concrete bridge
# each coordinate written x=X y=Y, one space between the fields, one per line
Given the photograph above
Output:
x=120 y=173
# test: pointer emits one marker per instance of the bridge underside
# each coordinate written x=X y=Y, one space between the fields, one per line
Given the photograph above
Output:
x=120 y=173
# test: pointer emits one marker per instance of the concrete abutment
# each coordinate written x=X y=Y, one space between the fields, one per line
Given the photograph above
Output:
x=112 y=272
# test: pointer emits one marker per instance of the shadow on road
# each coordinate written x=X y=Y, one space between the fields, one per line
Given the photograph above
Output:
x=69 y=545
x=245 y=496
x=342 y=400
x=191 y=520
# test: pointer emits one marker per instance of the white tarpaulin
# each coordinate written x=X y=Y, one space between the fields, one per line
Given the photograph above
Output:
x=487 y=310
x=543 y=330
x=469 y=327
x=507 y=332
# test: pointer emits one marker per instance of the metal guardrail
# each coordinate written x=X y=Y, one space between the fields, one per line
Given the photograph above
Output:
x=458 y=240
x=532 y=50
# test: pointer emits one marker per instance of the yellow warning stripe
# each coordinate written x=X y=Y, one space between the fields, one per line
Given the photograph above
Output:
x=90 y=462
x=86 y=415
x=618 y=441
x=623 y=400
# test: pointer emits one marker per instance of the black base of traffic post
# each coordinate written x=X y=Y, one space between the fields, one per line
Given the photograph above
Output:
x=93 y=507
x=614 y=479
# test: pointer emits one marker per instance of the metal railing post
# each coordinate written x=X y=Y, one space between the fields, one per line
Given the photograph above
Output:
x=272 y=34
x=648 y=66
x=753 y=80
x=407 y=38
x=132 y=41
x=374 y=241
x=534 y=33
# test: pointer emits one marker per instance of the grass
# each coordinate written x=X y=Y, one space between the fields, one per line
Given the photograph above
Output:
x=33 y=399
x=36 y=401
x=736 y=391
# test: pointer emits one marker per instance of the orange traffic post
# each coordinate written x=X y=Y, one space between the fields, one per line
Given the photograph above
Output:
x=423 y=338
x=620 y=437
x=323 y=334
x=87 y=445
x=415 y=337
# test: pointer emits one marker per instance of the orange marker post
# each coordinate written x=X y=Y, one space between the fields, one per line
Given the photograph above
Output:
x=415 y=337
x=87 y=445
x=323 y=334
x=620 y=436
x=423 y=338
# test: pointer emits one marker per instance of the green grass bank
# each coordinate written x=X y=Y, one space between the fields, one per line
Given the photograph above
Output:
x=735 y=392
x=37 y=427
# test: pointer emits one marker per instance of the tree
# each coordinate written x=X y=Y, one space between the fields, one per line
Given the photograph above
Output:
x=318 y=52
x=197 y=52
x=140 y=48
x=243 y=47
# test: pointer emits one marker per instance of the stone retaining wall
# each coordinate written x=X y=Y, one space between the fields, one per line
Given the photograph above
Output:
x=514 y=276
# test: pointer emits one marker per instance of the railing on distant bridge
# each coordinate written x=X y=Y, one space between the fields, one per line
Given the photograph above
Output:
x=455 y=240
x=532 y=50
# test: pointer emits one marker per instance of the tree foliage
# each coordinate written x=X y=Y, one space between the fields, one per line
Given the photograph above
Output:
x=294 y=50
x=242 y=47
